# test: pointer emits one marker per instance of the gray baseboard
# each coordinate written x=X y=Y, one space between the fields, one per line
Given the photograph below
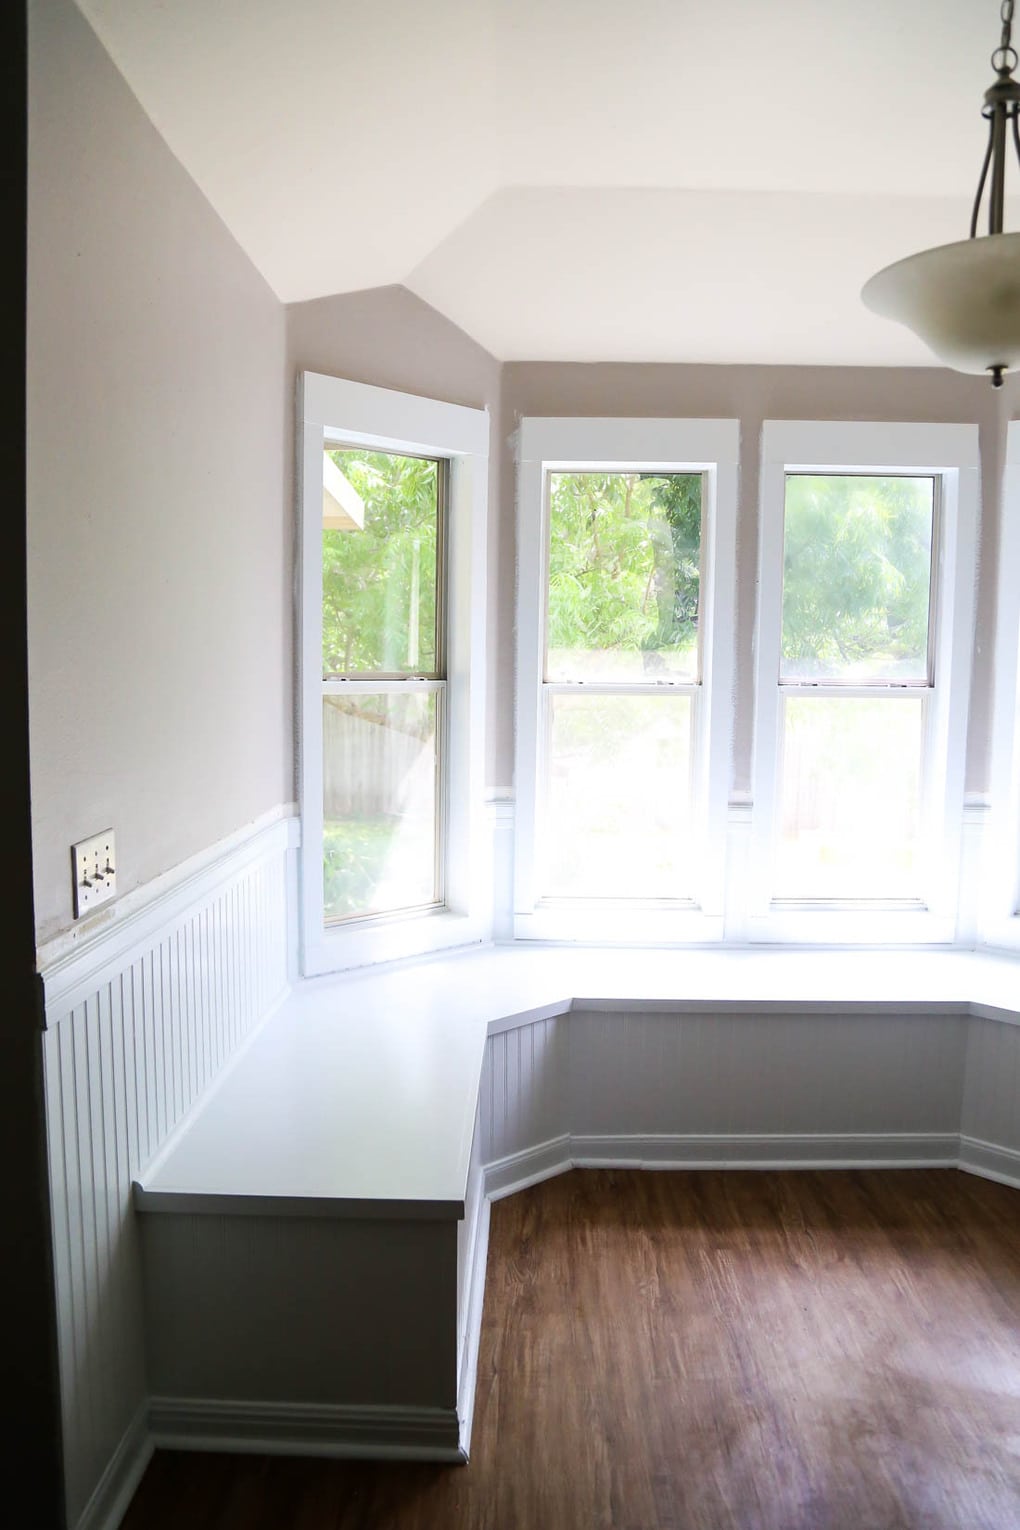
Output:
x=367 y=1433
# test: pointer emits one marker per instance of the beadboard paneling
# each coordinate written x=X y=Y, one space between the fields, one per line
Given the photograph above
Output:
x=991 y=1096
x=660 y=1074
x=523 y=1087
x=123 y=1066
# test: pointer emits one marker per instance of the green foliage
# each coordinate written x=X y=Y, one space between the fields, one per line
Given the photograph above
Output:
x=355 y=852
x=624 y=573
x=379 y=584
x=857 y=561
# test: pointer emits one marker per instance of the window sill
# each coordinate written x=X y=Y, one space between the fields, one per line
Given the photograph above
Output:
x=877 y=926
x=397 y=938
x=626 y=924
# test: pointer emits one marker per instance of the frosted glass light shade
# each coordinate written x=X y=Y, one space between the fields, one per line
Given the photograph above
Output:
x=962 y=300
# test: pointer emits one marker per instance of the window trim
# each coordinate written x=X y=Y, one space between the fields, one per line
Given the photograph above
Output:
x=950 y=452
x=568 y=444
x=381 y=419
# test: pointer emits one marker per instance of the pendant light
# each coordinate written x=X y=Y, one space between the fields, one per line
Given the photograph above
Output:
x=963 y=300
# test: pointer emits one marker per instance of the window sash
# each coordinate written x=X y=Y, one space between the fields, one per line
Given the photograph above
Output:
x=618 y=470
x=366 y=689
x=888 y=696
x=664 y=691
x=442 y=466
x=928 y=679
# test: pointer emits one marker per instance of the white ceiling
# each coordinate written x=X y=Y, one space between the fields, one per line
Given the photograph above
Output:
x=638 y=180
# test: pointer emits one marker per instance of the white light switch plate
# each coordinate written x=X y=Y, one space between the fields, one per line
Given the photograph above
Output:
x=94 y=863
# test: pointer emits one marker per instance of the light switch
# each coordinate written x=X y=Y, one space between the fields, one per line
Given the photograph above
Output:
x=94 y=865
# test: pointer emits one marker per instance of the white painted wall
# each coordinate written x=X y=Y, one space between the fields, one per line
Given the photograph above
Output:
x=158 y=512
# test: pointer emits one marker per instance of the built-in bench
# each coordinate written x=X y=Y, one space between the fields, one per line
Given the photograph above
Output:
x=314 y=1235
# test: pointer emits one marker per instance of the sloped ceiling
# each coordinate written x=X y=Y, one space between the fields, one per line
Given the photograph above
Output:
x=680 y=180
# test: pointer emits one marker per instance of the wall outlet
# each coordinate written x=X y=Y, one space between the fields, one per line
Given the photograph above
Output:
x=94 y=866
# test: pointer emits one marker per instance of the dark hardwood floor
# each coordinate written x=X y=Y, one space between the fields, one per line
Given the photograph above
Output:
x=705 y=1351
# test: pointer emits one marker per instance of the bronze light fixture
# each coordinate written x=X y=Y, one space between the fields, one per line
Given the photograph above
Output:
x=963 y=300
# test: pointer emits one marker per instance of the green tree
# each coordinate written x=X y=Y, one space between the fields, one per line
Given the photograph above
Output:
x=856 y=575
x=624 y=560
x=379 y=583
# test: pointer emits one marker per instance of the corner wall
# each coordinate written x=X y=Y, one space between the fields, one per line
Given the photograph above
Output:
x=158 y=515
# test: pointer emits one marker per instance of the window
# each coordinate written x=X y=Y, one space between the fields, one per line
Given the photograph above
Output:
x=867 y=558
x=624 y=660
x=383 y=681
x=393 y=573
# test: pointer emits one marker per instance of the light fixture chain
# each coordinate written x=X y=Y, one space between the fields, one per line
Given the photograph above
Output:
x=1004 y=59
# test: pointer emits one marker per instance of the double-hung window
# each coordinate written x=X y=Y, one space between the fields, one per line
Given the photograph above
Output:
x=392 y=656
x=625 y=617
x=867 y=565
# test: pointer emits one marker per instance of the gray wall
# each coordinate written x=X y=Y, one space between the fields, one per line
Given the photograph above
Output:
x=158 y=513
x=753 y=394
x=390 y=338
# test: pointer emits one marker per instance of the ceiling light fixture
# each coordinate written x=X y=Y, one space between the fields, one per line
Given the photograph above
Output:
x=963 y=300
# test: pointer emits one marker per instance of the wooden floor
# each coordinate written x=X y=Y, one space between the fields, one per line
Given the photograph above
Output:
x=706 y=1351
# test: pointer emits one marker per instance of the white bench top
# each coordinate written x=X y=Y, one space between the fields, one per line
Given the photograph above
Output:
x=358 y=1097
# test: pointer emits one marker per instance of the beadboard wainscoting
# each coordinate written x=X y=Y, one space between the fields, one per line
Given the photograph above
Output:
x=141 y=1017
x=659 y=1089
x=990 y=1125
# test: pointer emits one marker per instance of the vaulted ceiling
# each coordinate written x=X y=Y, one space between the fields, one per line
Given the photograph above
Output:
x=677 y=180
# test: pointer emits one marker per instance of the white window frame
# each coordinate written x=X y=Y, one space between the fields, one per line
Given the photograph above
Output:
x=710 y=447
x=1000 y=912
x=949 y=453
x=332 y=410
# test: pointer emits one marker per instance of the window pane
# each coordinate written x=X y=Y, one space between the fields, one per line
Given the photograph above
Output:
x=379 y=802
x=850 y=800
x=856 y=577
x=618 y=805
x=380 y=537
x=624 y=576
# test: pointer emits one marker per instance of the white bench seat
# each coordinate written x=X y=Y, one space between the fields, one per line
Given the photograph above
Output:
x=360 y=1093
x=314 y=1235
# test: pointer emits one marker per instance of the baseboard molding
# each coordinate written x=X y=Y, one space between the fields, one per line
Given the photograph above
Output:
x=517 y=1171
x=473 y=1331
x=877 y=1150
x=869 y=1150
x=365 y=1433
x=989 y=1161
x=116 y=1488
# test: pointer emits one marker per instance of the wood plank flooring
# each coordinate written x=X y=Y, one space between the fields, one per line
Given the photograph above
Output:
x=704 y=1351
